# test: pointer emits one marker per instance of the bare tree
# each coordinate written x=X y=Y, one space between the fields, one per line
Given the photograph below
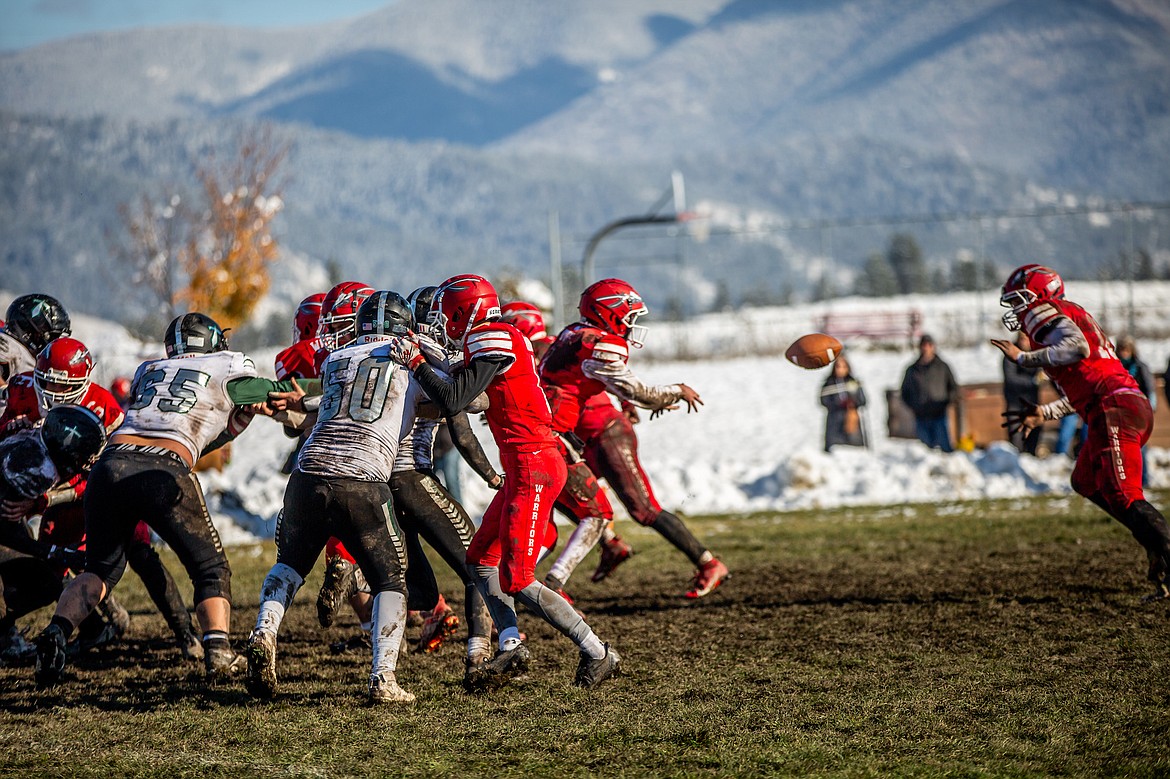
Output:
x=210 y=254
x=228 y=255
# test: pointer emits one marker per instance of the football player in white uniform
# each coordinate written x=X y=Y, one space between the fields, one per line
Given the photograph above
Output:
x=340 y=487
x=186 y=404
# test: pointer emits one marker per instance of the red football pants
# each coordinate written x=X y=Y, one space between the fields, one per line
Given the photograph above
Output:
x=516 y=522
x=582 y=495
x=613 y=455
x=1110 y=460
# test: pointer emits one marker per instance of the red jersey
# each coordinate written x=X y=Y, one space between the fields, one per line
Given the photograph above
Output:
x=518 y=416
x=1085 y=381
x=598 y=413
x=299 y=360
x=23 y=401
x=565 y=383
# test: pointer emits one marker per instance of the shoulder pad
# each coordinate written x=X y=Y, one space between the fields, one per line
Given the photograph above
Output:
x=611 y=348
x=493 y=340
x=1040 y=315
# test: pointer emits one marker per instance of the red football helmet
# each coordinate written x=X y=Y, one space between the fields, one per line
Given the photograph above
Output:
x=1026 y=285
x=120 y=389
x=338 y=325
x=308 y=317
x=463 y=302
x=614 y=306
x=61 y=376
x=526 y=318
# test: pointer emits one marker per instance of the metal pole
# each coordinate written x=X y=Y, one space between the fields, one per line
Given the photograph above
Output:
x=1129 y=257
x=591 y=247
x=557 y=277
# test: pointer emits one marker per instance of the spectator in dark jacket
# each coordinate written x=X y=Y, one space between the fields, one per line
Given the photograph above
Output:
x=929 y=389
x=1021 y=390
x=1127 y=353
x=843 y=397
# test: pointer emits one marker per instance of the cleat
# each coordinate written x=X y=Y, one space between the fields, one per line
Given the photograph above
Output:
x=437 y=628
x=222 y=662
x=592 y=672
x=15 y=649
x=260 y=679
x=495 y=673
x=563 y=594
x=359 y=643
x=415 y=619
x=613 y=553
x=338 y=587
x=50 y=657
x=1161 y=592
x=384 y=689
x=190 y=647
x=709 y=576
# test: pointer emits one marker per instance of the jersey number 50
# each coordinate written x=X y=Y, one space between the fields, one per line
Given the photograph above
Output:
x=364 y=398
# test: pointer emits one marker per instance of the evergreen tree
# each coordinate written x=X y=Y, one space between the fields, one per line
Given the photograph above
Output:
x=877 y=279
x=905 y=257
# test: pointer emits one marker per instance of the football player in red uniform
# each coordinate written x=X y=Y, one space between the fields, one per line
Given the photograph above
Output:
x=582 y=499
x=498 y=360
x=62 y=376
x=1076 y=355
x=590 y=358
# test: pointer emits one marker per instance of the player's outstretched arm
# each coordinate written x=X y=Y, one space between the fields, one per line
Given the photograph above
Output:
x=465 y=440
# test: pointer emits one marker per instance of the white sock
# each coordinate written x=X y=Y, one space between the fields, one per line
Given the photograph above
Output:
x=389 y=625
x=510 y=638
x=478 y=646
x=584 y=538
x=592 y=646
x=608 y=535
x=277 y=593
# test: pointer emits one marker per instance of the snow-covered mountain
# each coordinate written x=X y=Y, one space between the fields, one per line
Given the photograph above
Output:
x=434 y=136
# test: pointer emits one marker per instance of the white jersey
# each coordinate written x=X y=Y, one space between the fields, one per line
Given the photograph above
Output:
x=185 y=398
x=368 y=403
x=14 y=358
x=416 y=450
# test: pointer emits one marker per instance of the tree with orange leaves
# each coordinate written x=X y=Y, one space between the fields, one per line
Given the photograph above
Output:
x=223 y=246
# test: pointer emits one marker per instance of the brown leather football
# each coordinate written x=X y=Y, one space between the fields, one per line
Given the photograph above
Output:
x=815 y=350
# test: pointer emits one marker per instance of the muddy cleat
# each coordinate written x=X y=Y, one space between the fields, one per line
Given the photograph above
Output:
x=221 y=662
x=437 y=628
x=495 y=673
x=190 y=647
x=592 y=672
x=613 y=553
x=709 y=576
x=1161 y=592
x=50 y=657
x=15 y=649
x=384 y=689
x=261 y=656
x=337 y=588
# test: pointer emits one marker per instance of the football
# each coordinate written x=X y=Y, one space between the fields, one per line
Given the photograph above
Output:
x=815 y=350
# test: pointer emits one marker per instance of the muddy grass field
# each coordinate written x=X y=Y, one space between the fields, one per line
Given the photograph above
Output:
x=973 y=639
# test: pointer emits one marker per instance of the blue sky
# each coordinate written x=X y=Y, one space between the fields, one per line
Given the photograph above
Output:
x=26 y=23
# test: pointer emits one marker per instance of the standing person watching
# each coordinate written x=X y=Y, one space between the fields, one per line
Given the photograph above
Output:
x=842 y=397
x=929 y=389
x=1141 y=373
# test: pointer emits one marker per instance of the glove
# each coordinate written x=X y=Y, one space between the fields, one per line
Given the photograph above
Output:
x=496 y=481
x=73 y=559
x=1023 y=420
x=405 y=351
